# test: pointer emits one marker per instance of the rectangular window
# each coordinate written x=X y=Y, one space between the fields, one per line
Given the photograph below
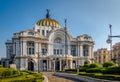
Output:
x=60 y=51
x=38 y=30
x=32 y=50
x=47 y=32
x=55 y=51
x=45 y=51
x=43 y=32
x=29 y=50
x=73 y=52
x=42 y=51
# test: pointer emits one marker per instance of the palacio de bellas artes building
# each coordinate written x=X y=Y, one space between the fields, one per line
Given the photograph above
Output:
x=48 y=47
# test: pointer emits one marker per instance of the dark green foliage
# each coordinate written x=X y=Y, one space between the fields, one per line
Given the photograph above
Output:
x=71 y=70
x=94 y=70
x=7 y=72
x=94 y=65
x=82 y=69
x=101 y=76
x=112 y=70
x=109 y=64
x=28 y=79
x=11 y=75
x=1 y=66
x=86 y=65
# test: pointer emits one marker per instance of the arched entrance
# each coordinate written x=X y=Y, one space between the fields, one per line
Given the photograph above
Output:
x=86 y=62
x=30 y=66
x=57 y=67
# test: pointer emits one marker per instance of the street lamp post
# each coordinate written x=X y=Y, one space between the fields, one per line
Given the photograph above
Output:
x=66 y=45
x=54 y=60
x=109 y=41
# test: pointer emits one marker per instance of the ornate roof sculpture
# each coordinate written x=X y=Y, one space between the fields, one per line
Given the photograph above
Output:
x=48 y=21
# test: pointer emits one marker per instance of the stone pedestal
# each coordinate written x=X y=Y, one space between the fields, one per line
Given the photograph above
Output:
x=13 y=66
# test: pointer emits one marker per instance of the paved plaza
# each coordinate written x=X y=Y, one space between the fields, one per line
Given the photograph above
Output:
x=53 y=78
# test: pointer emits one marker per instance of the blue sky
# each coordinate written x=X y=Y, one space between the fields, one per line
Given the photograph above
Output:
x=83 y=17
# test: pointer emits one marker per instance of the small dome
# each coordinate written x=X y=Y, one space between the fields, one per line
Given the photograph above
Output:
x=48 y=21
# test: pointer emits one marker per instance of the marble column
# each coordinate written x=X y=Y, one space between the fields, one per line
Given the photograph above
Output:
x=70 y=64
x=69 y=50
x=17 y=49
x=54 y=65
x=78 y=50
x=89 y=52
x=41 y=65
x=39 y=48
x=13 y=47
x=24 y=48
x=49 y=50
x=21 y=48
x=81 y=50
x=92 y=53
x=36 y=48
x=67 y=66
x=49 y=64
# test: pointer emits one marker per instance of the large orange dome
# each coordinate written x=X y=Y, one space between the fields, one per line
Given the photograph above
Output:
x=48 y=21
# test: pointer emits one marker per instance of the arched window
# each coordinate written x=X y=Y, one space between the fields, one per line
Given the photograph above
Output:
x=58 y=40
x=30 y=33
x=85 y=38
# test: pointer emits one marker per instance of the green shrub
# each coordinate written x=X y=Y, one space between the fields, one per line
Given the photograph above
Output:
x=94 y=65
x=7 y=72
x=29 y=79
x=1 y=66
x=94 y=70
x=73 y=70
x=82 y=73
x=86 y=65
x=112 y=70
x=83 y=69
x=108 y=64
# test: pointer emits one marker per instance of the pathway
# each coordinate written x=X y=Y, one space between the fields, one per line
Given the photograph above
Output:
x=53 y=78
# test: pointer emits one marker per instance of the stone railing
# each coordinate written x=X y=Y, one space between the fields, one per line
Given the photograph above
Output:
x=81 y=78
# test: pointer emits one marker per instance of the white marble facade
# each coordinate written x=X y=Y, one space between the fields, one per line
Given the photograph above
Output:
x=48 y=47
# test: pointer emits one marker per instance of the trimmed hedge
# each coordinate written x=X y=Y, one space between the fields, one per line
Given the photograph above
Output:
x=101 y=76
x=8 y=72
x=94 y=70
x=109 y=64
x=94 y=65
x=112 y=70
x=27 y=79
x=1 y=66
x=25 y=76
x=71 y=70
